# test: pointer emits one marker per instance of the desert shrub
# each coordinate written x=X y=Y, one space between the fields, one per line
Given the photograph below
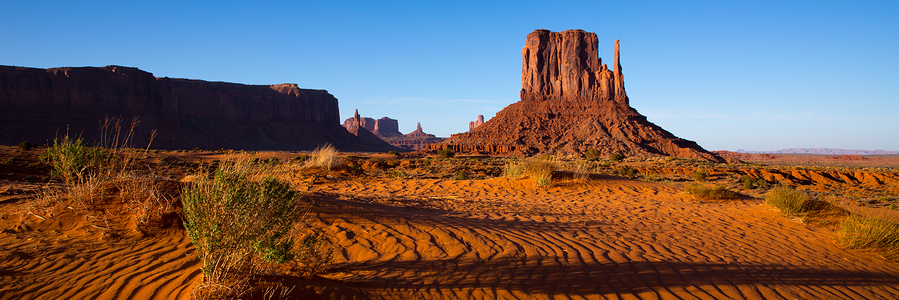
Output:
x=869 y=232
x=701 y=175
x=399 y=174
x=710 y=192
x=761 y=183
x=592 y=154
x=513 y=169
x=616 y=157
x=325 y=156
x=462 y=175
x=232 y=216
x=447 y=153
x=74 y=162
x=393 y=152
x=788 y=200
x=580 y=170
x=628 y=172
x=539 y=169
x=747 y=182
x=26 y=145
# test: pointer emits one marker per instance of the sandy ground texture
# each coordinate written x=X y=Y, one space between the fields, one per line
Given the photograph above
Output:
x=608 y=237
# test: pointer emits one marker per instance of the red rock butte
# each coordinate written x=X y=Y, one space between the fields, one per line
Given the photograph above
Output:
x=571 y=102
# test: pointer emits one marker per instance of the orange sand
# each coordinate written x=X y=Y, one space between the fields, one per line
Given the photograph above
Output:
x=607 y=238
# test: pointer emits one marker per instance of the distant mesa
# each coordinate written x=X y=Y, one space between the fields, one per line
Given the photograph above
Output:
x=40 y=104
x=387 y=130
x=823 y=151
x=571 y=102
x=475 y=124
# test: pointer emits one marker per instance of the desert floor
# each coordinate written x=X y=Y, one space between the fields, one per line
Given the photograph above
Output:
x=607 y=237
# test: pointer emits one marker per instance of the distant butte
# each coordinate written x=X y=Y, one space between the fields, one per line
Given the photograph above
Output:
x=571 y=102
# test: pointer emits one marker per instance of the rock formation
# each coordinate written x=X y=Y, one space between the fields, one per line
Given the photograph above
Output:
x=416 y=140
x=366 y=136
x=40 y=104
x=475 y=124
x=571 y=102
x=384 y=127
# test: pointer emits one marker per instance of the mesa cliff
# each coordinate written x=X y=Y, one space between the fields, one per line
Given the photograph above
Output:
x=40 y=104
x=571 y=102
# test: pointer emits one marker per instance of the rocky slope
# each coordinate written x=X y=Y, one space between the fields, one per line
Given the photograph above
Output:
x=571 y=102
x=40 y=104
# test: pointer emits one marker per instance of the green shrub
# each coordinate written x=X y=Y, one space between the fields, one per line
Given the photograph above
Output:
x=232 y=216
x=74 y=162
x=393 y=152
x=27 y=145
x=869 y=232
x=789 y=201
x=447 y=153
x=628 y=172
x=616 y=157
x=592 y=155
x=710 y=192
x=461 y=175
x=747 y=182
x=701 y=175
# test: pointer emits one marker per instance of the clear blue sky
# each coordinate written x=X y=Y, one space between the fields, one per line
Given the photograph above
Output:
x=754 y=75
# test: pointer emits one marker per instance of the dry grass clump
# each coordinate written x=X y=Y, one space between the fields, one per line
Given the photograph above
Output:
x=796 y=203
x=869 y=232
x=325 y=157
x=540 y=169
x=789 y=201
x=242 y=221
x=710 y=192
x=95 y=176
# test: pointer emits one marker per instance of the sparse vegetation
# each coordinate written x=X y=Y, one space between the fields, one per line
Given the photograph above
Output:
x=26 y=145
x=539 y=169
x=592 y=155
x=747 y=182
x=626 y=171
x=789 y=201
x=699 y=175
x=235 y=215
x=616 y=157
x=73 y=161
x=461 y=175
x=393 y=152
x=710 y=192
x=325 y=157
x=447 y=153
x=869 y=232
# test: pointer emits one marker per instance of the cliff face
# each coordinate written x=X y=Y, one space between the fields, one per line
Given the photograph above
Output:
x=571 y=102
x=566 y=66
x=42 y=103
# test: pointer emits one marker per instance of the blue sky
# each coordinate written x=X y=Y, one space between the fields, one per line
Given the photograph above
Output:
x=752 y=75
